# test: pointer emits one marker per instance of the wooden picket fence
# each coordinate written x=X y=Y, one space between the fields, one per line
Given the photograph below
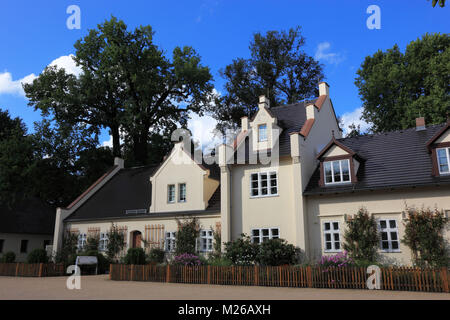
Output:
x=21 y=269
x=393 y=278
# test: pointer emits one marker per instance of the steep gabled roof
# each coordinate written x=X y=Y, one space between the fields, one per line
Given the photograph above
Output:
x=392 y=160
x=335 y=142
x=438 y=134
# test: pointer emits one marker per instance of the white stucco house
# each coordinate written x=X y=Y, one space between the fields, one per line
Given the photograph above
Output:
x=289 y=174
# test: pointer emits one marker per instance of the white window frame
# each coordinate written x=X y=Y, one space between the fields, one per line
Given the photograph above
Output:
x=81 y=243
x=169 y=241
x=340 y=169
x=262 y=139
x=447 y=153
x=179 y=192
x=388 y=230
x=103 y=241
x=260 y=234
x=169 y=193
x=206 y=237
x=269 y=187
x=331 y=232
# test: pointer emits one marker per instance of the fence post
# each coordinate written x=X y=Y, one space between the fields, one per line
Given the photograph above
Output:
x=209 y=274
x=132 y=272
x=17 y=268
x=444 y=279
x=168 y=273
x=41 y=268
x=110 y=271
x=256 y=275
x=309 y=276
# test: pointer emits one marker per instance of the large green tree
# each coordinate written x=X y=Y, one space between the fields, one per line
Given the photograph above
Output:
x=278 y=67
x=127 y=84
x=441 y=3
x=398 y=87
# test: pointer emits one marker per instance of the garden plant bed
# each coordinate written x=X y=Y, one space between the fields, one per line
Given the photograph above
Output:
x=393 y=278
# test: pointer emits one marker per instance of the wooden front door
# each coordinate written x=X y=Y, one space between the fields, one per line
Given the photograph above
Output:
x=136 y=243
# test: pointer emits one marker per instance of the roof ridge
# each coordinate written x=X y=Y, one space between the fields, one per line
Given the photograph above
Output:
x=295 y=103
x=388 y=132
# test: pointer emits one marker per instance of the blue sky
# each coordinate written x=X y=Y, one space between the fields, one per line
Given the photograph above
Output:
x=34 y=33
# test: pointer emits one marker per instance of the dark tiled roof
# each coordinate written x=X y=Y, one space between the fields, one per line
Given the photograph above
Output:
x=392 y=159
x=30 y=215
x=129 y=189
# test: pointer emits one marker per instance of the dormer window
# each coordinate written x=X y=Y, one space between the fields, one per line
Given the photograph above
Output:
x=262 y=132
x=337 y=171
x=443 y=156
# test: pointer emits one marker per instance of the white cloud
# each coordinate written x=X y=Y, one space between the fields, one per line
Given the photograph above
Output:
x=10 y=86
x=354 y=117
x=67 y=63
x=203 y=131
x=330 y=57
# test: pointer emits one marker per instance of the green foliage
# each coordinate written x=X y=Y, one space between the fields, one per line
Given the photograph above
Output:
x=441 y=3
x=276 y=252
x=397 y=87
x=241 y=251
x=8 y=257
x=127 y=82
x=424 y=235
x=92 y=243
x=37 y=256
x=361 y=239
x=135 y=256
x=186 y=236
x=277 y=68
x=219 y=262
x=68 y=252
x=103 y=262
x=116 y=243
x=156 y=255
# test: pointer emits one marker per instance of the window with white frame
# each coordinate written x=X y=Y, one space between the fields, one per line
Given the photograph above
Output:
x=443 y=156
x=103 y=241
x=169 y=241
x=206 y=240
x=171 y=193
x=81 y=241
x=337 y=171
x=264 y=184
x=264 y=234
x=262 y=132
x=389 y=235
x=332 y=240
x=182 y=192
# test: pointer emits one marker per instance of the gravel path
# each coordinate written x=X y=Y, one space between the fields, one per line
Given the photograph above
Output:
x=100 y=287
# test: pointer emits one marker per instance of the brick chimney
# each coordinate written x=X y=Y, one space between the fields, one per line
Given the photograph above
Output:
x=420 y=124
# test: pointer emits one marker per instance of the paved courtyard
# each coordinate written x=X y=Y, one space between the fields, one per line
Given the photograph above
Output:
x=100 y=287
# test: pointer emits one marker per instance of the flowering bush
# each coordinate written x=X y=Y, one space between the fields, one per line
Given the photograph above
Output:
x=187 y=259
x=337 y=260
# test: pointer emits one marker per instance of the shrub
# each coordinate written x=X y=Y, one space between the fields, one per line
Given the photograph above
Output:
x=186 y=236
x=241 y=251
x=37 y=256
x=276 y=252
x=361 y=237
x=219 y=262
x=188 y=259
x=135 y=256
x=8 y=257
x=337 y=260
x=103 y=261
x=92 y=243
x=116 y=242
x=424 y=236
x=156 y=255
x=68 y=252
